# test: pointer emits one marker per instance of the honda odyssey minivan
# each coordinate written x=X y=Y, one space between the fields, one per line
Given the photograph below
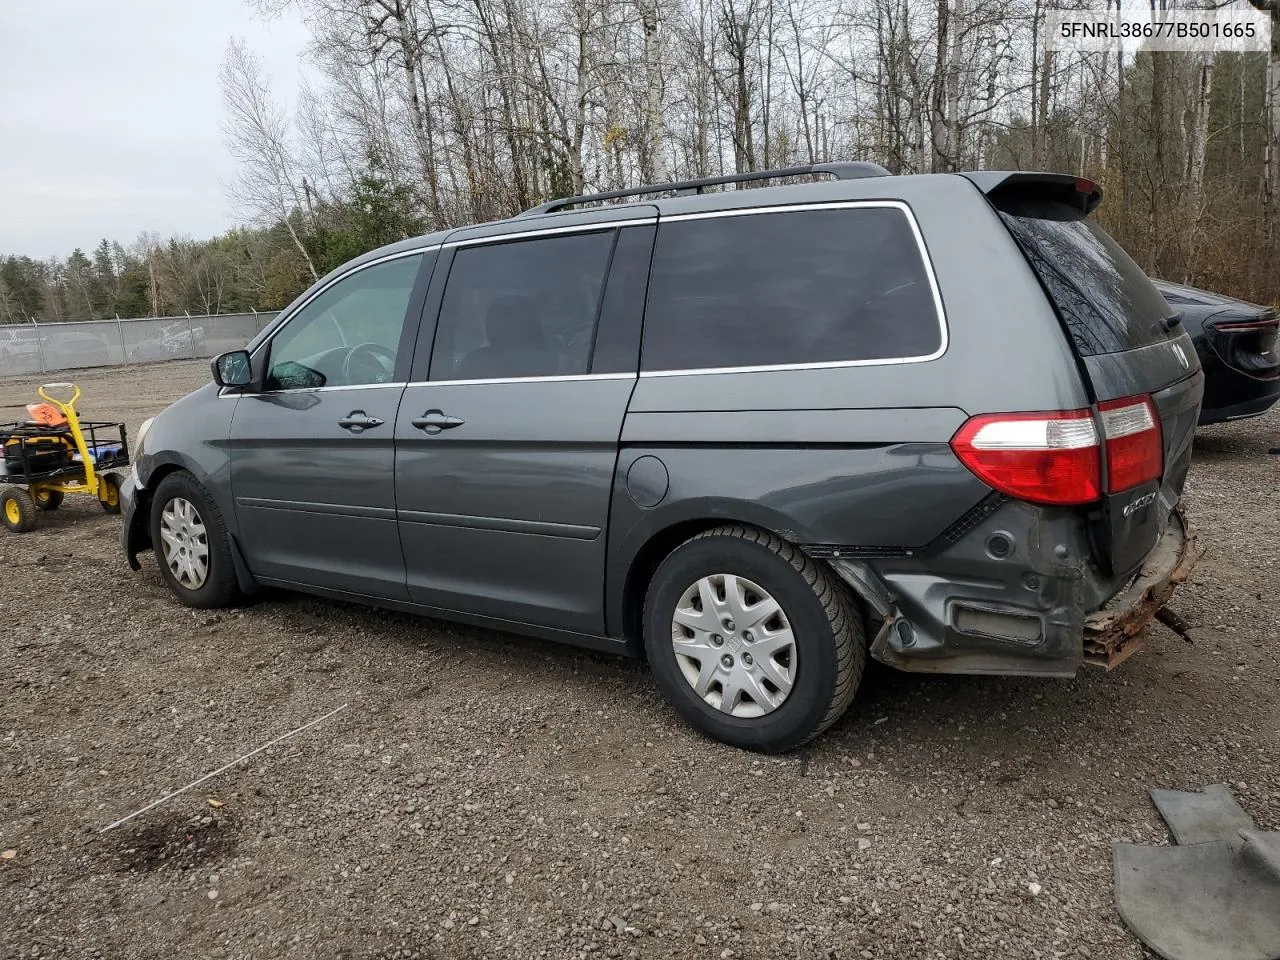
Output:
x=755 y=435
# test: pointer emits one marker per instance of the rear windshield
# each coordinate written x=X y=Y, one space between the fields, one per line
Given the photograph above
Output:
x=1107 y=303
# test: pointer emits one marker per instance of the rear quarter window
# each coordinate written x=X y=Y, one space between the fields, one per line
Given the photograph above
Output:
x=775 y=288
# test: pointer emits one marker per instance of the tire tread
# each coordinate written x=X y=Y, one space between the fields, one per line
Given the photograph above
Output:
x=221 y=589
x=837 y=603
x=26 y=509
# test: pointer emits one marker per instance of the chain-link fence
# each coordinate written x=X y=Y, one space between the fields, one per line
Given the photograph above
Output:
x=43 y=347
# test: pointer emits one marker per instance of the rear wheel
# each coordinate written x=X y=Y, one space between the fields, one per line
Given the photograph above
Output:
x=17 y=510
x=46 y=499
x=109 y=493
x=751 y=640
x=192 y=544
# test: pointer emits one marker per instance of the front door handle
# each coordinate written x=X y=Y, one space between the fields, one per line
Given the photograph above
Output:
x=433 y=421
x=357 y=422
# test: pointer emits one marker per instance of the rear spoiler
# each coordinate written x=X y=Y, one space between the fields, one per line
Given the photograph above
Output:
x=1002 y=186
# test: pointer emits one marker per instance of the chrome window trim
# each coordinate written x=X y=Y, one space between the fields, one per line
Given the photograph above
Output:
x=228 y=392
x=899 y=205
x=551 y=231
x=556 y=378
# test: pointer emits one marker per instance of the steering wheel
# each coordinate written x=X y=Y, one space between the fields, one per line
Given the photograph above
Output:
x=368 y=363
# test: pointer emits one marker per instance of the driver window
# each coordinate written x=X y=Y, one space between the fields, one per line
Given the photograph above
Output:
x=349 y=335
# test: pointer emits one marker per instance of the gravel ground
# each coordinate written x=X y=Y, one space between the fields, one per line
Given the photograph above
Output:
x=491 y=796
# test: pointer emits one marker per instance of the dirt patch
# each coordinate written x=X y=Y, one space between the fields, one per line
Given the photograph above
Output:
x=170 y=841
x=491 y=796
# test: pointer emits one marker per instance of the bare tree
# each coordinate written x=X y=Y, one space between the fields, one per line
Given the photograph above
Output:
x=1199 y=139
x=478 y=108
x=1271 y=156
x=268 y=187
x=740 y=28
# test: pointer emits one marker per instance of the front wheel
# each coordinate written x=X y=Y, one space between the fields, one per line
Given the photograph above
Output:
x=751 y=640
x=192 y=544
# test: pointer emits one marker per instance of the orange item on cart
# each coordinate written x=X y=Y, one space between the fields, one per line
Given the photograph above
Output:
x=46 y=414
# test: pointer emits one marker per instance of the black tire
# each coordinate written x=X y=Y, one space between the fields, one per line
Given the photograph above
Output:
x=109 y=493
x=17 y=510
x=48 y=499
x=220 y=588
x=826 y=621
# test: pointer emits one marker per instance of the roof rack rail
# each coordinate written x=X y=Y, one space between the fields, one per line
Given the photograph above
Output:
x=842 y=170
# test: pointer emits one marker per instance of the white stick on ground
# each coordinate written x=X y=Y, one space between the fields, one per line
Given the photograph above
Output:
x=222 y=769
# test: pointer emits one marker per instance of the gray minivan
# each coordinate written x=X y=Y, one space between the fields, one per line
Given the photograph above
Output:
x=755 y=434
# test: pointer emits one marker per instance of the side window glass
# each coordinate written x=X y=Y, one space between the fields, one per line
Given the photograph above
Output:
x=763 y=289
x=524 y=308
x=350 y=334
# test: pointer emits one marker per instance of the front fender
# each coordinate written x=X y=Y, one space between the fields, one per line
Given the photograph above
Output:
x=193 y=435
x=135 y=531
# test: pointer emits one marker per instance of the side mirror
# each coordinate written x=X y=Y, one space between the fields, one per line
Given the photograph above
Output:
x=233 y=369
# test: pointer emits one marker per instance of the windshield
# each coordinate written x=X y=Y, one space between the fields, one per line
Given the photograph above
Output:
x=1107 y=303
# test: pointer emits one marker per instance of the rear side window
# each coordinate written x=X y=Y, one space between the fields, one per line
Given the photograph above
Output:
x=524 y=308
x=813 y=286
x=1107 y=303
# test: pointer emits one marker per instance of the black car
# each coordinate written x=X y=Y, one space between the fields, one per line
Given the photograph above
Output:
x=1237 y=343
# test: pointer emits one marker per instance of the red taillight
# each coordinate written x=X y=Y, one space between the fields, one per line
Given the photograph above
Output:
x=1055 y=457
x=1132 y=433
x=1051 y=457
x=1237 y=326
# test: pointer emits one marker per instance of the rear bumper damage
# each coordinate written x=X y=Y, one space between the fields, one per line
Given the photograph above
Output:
x=1037 y=605
x=1118 y=630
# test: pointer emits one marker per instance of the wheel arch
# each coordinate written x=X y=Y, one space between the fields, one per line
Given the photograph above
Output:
x=245 y=580
x=639 y=552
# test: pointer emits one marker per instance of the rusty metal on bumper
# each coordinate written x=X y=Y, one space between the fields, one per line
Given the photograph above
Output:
x=1118 y=630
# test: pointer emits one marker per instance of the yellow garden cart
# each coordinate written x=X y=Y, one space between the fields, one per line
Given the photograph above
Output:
x=56 y=454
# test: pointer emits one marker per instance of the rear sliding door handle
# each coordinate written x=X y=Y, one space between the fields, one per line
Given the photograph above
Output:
x=357 y=421
x=433 y=421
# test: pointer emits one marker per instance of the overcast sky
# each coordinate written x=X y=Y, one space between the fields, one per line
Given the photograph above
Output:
x=110 y=116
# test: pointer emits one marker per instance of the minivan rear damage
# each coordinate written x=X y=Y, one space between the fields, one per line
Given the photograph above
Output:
x=1118 y=630
x=1017 y=594
x=1083 y=540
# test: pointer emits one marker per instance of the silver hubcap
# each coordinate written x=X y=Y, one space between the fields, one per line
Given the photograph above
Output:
x=734 y=645
x=185 y=543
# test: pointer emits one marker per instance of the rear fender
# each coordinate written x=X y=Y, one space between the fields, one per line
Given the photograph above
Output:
x=816 y=496
x=1005 y=594
x=634 y=553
